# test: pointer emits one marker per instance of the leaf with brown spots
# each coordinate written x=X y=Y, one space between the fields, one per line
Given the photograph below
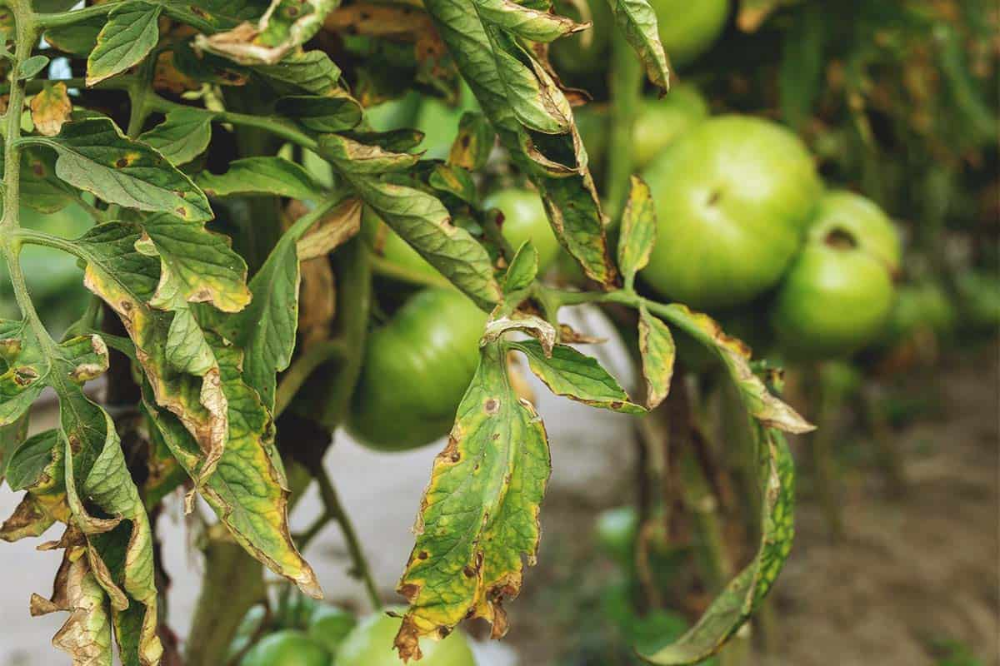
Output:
x=656 y=346
x=50 y=109
x=479 y=515
x=95 y=156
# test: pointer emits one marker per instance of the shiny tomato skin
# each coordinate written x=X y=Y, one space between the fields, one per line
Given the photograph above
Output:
x=733 y=198
x=287 y=648
x=417 y=368
x=689 y=29
x=371 y=644
x=661 y=121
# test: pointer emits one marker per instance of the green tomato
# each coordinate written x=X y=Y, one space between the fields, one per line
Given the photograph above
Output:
x=922 y=306
x=524 y=219
x=371 y=644
x=287 y=648
x=391 y=247
x=584 y=52
x=733 y=198
x=661 y=121
x=329 y=626
x=417 y=368
x=839 y=293
x=688 y=29
x=250 y=625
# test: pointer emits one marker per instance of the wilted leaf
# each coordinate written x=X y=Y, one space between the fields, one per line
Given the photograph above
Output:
x=419 y=218
x=286 y=25
x=334 y=113
x=577 y=376
x=311 y=71
x=531 y=24
x=474 y=143
x=129 y=35
x=637 y=21
x=262 y=175
x=331 y=232
x=86 y=634
x=496 y=68
x=183 y=136
x=479 y=514
x=522 y=270
x=638 y=233
x=763 y=406
x=656 y=346
x=50 y=109
x=733 y=607
x=95 y=156
x=248 y=490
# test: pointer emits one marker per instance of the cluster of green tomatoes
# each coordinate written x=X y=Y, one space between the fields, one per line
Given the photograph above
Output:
x=304 y=632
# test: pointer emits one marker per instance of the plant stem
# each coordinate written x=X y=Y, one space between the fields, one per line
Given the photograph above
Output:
x=62 y=19
x=333 y=507
x=293 y=379
x=626 y=91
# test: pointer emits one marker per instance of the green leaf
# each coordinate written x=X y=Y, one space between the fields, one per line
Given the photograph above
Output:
x=522 y=270
x=576 y=376
x=95 y=156
x=262 y=175
x=127 y=280
x=286 y=25
x=656 y=346
x=734 y=606
x=479 y=514
x=265 y=330
x=40 y=188
x=735 y=356
x=555 y=163
x=474 y=143
x=637 y=22
x=12 y=437
x=34 y=463
x=321 y=114
x=419 y=218
x=310 y=71
x=638 y=232
x=455 y=181
x=183 y=136
x=200 y=266
x=32 y=66
x=77 y=38
x=248 y=490
x=531 y=24
x=130 y=33
x=37 y=467
x=210 y=16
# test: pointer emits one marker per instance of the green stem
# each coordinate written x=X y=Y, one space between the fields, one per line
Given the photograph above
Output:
x=386 y=268
x=333 y=506
x=626 y=91
x=63 y=19
x=293 y=379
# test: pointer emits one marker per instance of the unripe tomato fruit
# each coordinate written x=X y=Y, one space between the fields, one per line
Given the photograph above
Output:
x=417 y=368
x=661 y=121
x=587 y=50
x=733 y=198
x=688 y=29
x=524 y=219
x=391 y=247
x=371 y=644
x=287 y=648
x=329 y=625
x=839 y=292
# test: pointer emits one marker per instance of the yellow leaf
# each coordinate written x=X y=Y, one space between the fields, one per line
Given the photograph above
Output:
x=50 y=109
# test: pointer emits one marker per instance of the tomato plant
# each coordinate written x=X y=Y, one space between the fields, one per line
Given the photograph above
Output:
x=279 y=220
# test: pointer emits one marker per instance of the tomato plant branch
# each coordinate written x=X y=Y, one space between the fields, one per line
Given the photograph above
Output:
x=300 y=370
x=331 y=500
x=46 y=21
x=626 y=88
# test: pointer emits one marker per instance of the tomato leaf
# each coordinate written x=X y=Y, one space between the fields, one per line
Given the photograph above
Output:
x=735 y=356
x=733 y=607
x=576 y=376
x=50 y=109
x=32 y=66
x=522 y=270
x=336 y=113
x=474 y=143
x=248 y=490
x=499 y=71
x=656 y=346
x=183 y=136
x=286 y=24
x=479 y=514
x=95 y=156
x=419 y=218
x=310 y=71
x=534 y=25
x=262 y=175
x=130 y=33
x=12 y=437
x=638 y=232
x=637 y=22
